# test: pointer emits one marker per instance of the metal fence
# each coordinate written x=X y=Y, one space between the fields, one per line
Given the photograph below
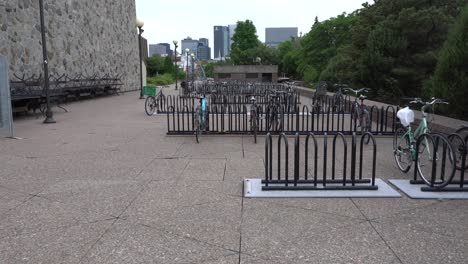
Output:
x=236 y=120
x=322 y=179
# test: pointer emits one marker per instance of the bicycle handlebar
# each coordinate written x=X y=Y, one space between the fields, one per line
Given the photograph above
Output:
x=428 y=104
x=356 y=92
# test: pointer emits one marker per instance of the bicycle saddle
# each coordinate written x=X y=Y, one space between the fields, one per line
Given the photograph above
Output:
x=362 y=97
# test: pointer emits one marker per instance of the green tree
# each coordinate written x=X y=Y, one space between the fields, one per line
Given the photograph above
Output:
x=245 y=39
x=322 y=43
x=451 y=75
x=155 y=65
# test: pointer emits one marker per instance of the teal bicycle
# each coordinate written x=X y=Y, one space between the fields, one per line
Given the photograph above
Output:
x=200 y=118
x=404 y=142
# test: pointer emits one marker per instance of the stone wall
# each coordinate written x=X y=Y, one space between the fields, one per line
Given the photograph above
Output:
x=83 y=37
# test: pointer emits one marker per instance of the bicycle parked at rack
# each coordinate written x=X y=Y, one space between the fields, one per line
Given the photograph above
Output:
x=460 y=145
x=359 y=111
x=254 y=118
x=200 y=118
x=338 y=101
x=319 y=98
x=152 y=101
x=273 y=111
x=404 y=145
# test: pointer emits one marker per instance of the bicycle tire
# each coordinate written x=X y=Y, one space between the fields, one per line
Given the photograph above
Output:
x=150 y=105
x=197 y=124
x=254 y=123
x=355 y=115
x=463 y=133
x=365 y=124
x=460 y=146
x=427 y=151
x=402 y=149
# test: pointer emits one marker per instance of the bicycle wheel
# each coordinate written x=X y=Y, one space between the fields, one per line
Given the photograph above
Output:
x=150 y=105
x=459 y=143
x=355 y=116
x=196 y=123
x=365 y=124
x=435 y=160
x=254 y=124
x=402 y=150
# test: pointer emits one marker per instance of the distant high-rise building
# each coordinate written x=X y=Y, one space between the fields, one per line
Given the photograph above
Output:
x=156 y=49
x=204 y=52
x=204 y=41
x=275 y=36
x=221 y=42
x=232 y=30
x=163 y=49
x=191 y=44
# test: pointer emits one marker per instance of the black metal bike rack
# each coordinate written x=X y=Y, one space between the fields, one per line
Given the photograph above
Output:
x=301 y=180
x=235 y=119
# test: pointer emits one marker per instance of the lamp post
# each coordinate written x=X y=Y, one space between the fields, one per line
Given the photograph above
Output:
x=175 y=63
x=49 y=115
x=192 y=57
x=187 y=51
x=139 y=25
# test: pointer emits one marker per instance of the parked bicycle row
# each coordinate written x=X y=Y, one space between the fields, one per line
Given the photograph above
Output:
x=234 y=88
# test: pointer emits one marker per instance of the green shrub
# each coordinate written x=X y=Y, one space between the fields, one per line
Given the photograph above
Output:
x=164 y=79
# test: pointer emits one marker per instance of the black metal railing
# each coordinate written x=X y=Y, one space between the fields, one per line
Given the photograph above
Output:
x=236 y=120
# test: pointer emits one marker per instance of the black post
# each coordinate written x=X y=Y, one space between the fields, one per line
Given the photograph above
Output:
x=49 y=115
x=140 y=31
x=175 y=64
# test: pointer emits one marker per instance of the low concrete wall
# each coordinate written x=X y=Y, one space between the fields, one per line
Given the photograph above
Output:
x=438 y=123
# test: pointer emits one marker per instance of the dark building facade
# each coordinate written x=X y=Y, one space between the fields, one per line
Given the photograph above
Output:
x=250 y=73
x=204 y=52
x=221 y=42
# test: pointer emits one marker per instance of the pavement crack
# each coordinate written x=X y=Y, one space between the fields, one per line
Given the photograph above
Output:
x=377 y=232
x=242 y=141
x=225 y=165
x=241 y=223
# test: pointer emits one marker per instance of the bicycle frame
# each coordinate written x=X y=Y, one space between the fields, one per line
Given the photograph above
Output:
x=203 y=112
x=421 y=129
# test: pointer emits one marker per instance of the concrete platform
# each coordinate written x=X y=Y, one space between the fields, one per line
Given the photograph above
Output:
x=414 y=191
x=253 y=189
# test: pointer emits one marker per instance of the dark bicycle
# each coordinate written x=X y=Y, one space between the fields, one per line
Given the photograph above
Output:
x=359 y=111
x=254 y=118
x=200 y=118
x=273 y=113
x=338 y=103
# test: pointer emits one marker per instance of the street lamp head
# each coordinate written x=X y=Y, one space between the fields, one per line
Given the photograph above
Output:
x=175 y=42
x=139 y=23
x=192 y=55
x=187 y=50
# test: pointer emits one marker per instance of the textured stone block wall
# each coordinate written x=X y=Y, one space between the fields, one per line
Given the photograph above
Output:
x=83 y=36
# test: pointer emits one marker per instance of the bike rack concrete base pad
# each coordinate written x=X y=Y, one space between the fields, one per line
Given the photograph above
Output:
x=414 y=191
x=253 y=189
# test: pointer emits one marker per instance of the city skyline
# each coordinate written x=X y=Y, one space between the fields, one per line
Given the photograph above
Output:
x=165 y=22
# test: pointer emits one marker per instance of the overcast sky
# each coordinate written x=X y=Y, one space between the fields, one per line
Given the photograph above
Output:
x=168 y=20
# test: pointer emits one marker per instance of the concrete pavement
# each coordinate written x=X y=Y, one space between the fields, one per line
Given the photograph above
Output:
x=106 y=185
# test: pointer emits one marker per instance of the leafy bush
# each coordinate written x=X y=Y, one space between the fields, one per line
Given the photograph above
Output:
x=164 y=79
